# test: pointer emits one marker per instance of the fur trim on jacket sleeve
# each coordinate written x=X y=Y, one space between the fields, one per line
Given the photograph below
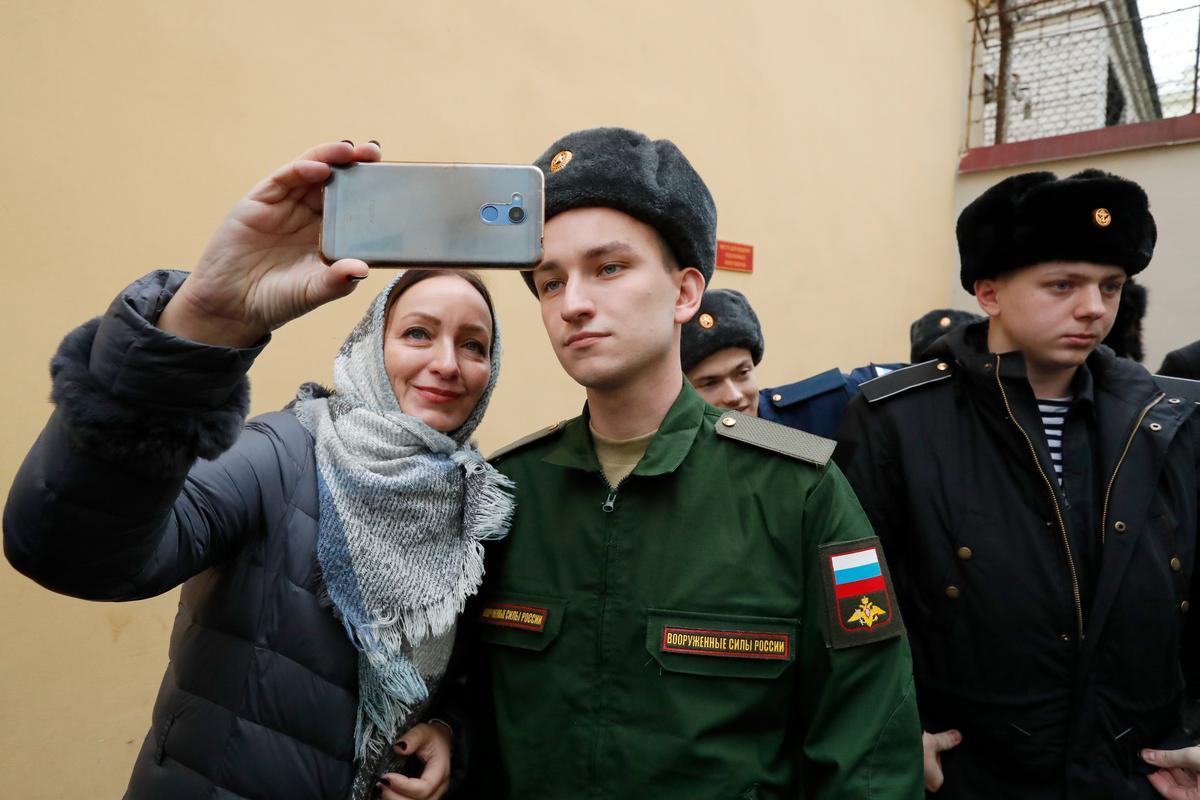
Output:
x=104 y=396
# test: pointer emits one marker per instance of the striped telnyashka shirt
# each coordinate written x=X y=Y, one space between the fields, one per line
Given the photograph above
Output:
x=1054 y=413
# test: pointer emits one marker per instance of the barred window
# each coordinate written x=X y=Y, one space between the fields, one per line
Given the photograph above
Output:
x=1043 y=68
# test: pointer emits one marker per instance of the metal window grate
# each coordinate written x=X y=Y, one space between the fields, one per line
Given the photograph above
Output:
x=1049 y=67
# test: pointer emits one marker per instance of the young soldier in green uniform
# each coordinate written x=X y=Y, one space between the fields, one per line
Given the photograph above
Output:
x=691 y=603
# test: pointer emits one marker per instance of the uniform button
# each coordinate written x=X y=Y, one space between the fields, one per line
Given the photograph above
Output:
x=944 y=322
x=1184 y=606
x=1119 y=526
x=952 y=592
x=1176 y=564
x=1154 y=426
x=942 y=366
x=1064 y=637
x=1174 y=401
x=728 y=422
x=776 y=397
x=965 y=553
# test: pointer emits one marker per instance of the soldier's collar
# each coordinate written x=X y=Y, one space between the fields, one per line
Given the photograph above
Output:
x=666 y=452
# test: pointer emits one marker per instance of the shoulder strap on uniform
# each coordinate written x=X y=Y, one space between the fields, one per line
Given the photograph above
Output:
x=806 y=389
x=778 y=438
x=525 y=441
x=1179 y=387
x=902 y=380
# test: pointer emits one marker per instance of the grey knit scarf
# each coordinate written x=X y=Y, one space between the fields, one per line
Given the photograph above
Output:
x=403 y=512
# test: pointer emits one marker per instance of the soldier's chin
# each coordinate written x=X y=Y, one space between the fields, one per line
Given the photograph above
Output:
x=595 y=376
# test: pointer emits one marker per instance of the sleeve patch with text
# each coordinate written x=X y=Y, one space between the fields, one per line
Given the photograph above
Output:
x=858 y=593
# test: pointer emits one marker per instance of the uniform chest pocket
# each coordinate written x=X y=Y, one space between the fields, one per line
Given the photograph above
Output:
x=721 y=645
x=525 y=621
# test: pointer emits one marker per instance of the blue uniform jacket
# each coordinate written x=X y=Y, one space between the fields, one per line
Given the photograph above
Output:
x=816 y=404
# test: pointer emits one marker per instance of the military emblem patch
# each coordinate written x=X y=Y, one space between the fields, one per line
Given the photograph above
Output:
x=510 y=615
x=858 y=593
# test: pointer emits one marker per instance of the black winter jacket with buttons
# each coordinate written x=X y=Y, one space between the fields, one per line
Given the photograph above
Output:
x=1054 y=696
x=260 y=696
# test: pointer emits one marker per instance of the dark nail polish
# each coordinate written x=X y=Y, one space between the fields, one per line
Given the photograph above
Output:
x=356 y=278
x=374 y=142
x=347 y=141
x=385 y=780
x=403 y=745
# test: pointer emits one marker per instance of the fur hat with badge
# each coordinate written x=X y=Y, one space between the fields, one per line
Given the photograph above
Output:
x=650 y=180
x=1037 y=217
x=725 y=319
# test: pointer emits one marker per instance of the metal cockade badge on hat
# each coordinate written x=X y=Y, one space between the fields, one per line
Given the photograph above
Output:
x=560 y=160
x=1102 y=217
x=707 y=320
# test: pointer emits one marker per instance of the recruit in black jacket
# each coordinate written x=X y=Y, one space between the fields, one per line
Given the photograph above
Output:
x=1055 y=682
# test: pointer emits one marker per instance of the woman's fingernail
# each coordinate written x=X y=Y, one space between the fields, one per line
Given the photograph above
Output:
x=1149 y=755
x=356 y=278
x=347 y=141
x=374 y=142
x=385 y=780
x=402 y=746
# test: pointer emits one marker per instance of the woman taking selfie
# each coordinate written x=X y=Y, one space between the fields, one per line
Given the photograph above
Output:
x=325 y=551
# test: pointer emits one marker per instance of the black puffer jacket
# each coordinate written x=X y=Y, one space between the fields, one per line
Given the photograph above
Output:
x=955 y=475
x=260 y=696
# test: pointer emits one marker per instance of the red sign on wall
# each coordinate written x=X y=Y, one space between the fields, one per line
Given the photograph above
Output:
x=735 y=257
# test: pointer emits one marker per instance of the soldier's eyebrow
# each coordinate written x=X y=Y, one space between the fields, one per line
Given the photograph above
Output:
x=607 y=249
x=721 y=374
x=615 y=247
x=1066 y=273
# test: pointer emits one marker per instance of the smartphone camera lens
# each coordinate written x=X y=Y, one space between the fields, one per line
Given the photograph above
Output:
x=516 y=214
x=489 y=213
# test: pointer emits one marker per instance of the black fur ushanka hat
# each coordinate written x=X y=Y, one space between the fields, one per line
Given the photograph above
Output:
x=650 y=181
x=725 y=319
x=1036 y=217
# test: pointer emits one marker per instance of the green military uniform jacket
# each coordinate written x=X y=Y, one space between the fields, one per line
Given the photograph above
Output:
x=671 y=637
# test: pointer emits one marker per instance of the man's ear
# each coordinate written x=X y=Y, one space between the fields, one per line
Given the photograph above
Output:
x=691 y=290
x=986 y=294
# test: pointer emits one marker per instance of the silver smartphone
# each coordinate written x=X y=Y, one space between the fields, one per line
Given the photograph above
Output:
x=408 y=214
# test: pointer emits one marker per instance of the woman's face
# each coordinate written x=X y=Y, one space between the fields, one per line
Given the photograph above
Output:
x=437 y=346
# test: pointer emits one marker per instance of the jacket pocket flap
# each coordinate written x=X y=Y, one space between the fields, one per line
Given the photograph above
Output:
x=527 y=621
x=724 y=645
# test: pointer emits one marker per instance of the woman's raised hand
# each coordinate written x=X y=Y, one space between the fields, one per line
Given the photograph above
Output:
x=262 y=267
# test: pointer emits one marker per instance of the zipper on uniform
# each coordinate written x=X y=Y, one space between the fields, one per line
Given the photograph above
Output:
x=610 y=501
x=1062 y=525
x=607 y=508
x=1121 y=460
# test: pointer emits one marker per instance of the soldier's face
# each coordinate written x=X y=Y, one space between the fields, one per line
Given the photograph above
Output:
x=611 y=305
x=727 y=380
x=1055 y=313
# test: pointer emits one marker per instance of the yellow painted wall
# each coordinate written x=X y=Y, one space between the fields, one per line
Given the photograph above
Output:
x=828 y=133
x=1173 y=278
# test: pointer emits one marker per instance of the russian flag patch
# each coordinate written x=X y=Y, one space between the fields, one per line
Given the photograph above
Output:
x=859 y=593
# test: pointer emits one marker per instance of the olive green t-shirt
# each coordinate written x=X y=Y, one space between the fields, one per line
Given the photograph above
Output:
x=618 y=457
